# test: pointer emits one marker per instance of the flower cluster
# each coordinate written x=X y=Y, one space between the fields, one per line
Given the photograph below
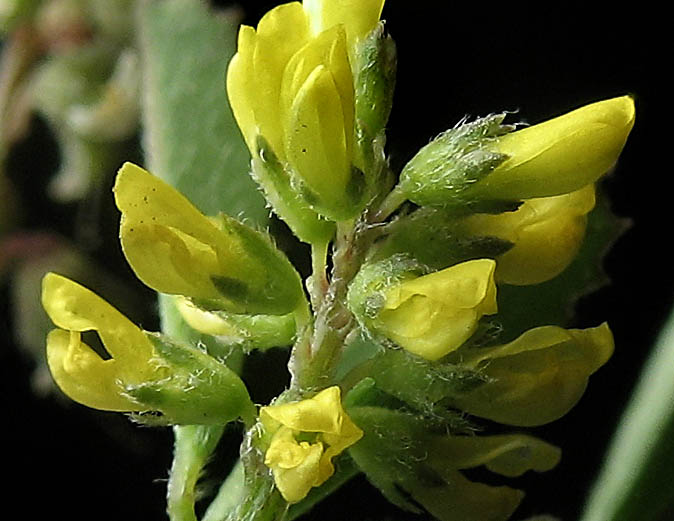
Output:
x=400 y=351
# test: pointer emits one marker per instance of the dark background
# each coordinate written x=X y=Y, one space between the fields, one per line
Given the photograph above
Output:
x=453 y=61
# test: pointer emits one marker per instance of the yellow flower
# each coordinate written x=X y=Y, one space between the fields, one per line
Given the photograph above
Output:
x=175 y=249
x=307 y=435
x=291 y=84
x=480 y=162
x=144 y=371
x=433 y=315
x=536 y=378
x=561 y=155
x=81 y=373
x=546 y=232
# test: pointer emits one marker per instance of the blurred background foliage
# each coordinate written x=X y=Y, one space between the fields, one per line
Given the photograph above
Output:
x=59 y=154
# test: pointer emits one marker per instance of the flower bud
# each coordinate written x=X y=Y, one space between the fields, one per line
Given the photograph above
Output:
x=536 y=378
x=220 y=262
x=138 y=372
x=291 y=83
x=479 y=161
x=546 y=234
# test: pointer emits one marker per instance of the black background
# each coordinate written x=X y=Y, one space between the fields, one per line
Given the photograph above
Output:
x=74 y=463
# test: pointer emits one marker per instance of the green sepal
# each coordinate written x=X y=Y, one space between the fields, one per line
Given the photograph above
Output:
x=374 y=80
x=435 y=238
x=416 y=467
x=287 y=202
x=374 y=74
x=453 y=162
x=239 y=331
x=197 y=389
x=422 y=385
x=279 y=291
x=366 y=294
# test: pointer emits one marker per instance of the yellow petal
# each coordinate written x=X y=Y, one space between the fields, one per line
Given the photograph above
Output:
x=462 y=500
x=241 y=86
x=294 y=483
x=538 y=377
x=83 y=375
x=175 y=249
x=359 y=17
x=546 y=232
x=74 y=308
x=563 y=154
x=433 y=315
x=327 y=50
x=349 y=434
x=170 y=245
x=280 y=34
x=316 y=143
x=322 y=413
x=510 y=454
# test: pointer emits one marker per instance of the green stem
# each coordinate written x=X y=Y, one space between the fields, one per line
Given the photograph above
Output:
x=390 y=204
x=229 y=496
x=260 y=500
x=193 y=446
x=318 y=281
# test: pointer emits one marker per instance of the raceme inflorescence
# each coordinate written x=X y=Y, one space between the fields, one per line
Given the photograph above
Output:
x=400 y=340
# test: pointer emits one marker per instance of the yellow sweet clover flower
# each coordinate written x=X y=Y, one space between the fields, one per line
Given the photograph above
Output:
x=175 y=249
x=536 y=378
x=560 y=155
x=546 y=234
x=482 y=161
x=292 y=85
x=145 y=371
x=434 y=314
x=306 y=436
x=81 y=373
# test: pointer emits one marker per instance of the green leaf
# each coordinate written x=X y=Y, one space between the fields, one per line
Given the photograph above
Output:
x=193 y=143
x=191 y=138
x=635 y=482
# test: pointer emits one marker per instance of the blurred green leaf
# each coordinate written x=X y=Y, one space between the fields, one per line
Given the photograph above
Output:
x=193 y=143
x=635 y=482
x=191 y=138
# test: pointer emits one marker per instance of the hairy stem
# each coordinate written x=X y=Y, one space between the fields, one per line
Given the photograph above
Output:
x=193 y=446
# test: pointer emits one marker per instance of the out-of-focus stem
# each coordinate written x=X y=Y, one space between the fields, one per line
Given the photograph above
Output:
x=193 y=446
